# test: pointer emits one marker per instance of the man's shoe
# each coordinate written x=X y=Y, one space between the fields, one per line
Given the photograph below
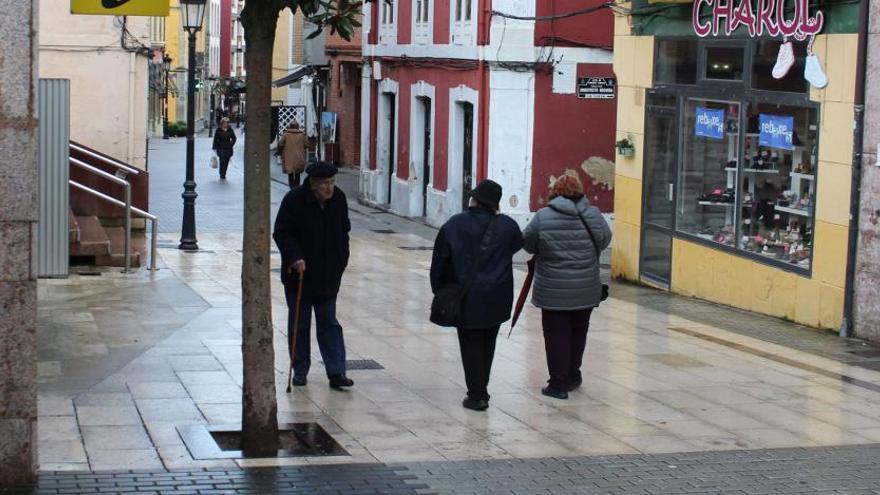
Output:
x=555 y=393
x=574 y=385
x=340 y=381
x=300 y=381
x=474 y=404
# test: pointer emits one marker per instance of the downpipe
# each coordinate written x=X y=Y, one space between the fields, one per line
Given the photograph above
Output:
x=848 y=321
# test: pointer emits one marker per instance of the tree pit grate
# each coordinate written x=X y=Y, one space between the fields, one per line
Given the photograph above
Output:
x=224 y=441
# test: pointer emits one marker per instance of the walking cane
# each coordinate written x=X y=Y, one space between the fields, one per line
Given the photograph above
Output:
x=299 y=291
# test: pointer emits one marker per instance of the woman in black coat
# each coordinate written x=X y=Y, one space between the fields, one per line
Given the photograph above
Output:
x=224 y=142
x=490 y=299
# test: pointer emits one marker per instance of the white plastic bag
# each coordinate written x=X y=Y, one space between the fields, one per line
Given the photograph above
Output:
x=215 y=162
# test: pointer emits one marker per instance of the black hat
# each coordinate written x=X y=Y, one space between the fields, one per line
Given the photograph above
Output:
x=321 y=170
x=488 y=192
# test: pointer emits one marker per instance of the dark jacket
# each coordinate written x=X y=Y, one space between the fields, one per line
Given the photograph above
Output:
x=490 y=299
x=306 y=231
x=567 y=271
x=224 y=142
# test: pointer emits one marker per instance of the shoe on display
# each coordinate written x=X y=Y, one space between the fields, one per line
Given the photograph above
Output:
x=814 y=73
x=784 y=60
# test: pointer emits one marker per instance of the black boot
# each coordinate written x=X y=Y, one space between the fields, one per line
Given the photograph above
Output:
x=555 y=393
x=340 y=381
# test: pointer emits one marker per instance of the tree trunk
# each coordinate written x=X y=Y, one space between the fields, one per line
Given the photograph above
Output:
x=259 y=404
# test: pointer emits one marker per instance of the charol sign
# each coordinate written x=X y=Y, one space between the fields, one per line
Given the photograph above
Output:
x=768 y=17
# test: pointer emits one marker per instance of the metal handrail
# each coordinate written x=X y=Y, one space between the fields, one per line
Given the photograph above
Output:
x=127 y=185
x=108 y=160
x=153 y=218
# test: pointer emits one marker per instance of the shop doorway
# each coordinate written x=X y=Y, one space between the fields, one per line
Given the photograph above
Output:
x=661 y=171
x=387 y=135
x=467 y=150
x=421 y=146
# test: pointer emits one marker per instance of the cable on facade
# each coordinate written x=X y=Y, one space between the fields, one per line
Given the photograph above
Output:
x=566 y=15
x=130 y=43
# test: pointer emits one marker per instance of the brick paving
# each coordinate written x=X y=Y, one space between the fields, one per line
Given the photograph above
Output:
x=831 y=470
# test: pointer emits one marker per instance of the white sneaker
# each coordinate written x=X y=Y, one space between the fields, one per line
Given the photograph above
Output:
x=814 y=73
x=784 y=60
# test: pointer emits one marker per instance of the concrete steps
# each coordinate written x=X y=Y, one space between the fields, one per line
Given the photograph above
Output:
x=100 y=245
x=92 y=240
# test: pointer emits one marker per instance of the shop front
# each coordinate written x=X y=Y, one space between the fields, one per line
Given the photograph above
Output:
x=739 y=188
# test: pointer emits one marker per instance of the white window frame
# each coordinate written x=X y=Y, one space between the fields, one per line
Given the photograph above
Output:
x=387 y=22
x=463 y=21
x=423 y=21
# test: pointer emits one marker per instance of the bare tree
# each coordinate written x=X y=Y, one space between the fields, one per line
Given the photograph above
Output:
x=259 y=19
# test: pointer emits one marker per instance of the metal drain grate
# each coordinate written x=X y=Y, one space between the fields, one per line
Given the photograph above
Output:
x=383 y=231
x=416 y=248
x=361 y=364
x=166 y=245
x=198 y=251
x=89 y=274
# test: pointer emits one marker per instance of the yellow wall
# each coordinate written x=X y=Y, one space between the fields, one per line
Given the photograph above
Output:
x=174 y=49
x=718 y=276
x=281 y=54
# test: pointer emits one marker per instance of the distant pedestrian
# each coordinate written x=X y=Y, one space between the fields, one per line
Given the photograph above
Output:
x=292 y=147
x=477 y=246
x=566 y=236
x=224 y=142
x=312 y=233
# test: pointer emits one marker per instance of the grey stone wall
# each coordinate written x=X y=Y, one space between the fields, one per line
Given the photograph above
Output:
x=19 y=211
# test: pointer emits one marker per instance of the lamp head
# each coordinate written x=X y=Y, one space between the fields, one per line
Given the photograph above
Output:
x=193 y=13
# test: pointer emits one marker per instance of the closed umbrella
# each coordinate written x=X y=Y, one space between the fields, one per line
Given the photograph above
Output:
x=523 y=294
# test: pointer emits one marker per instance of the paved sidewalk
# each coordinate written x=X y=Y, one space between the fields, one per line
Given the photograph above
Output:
x=126 y=360
x=840 y=470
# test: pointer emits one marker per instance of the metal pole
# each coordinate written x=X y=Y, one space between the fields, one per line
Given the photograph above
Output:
x=188 y=232
x=848 y=323
x=165 y=110
x=154 y=241
x=127 y=243
x=213 y=115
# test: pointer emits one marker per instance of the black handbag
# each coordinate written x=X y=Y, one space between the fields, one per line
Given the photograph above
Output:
x=448 y=303
x=605 y=288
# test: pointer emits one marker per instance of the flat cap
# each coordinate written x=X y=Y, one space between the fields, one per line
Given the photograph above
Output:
x=320 y=170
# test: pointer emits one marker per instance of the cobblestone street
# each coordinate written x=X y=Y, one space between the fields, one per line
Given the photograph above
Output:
x=679 y=396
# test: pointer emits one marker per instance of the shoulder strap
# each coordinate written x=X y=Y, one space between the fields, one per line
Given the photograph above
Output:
x=478 y=255
x=590 y=232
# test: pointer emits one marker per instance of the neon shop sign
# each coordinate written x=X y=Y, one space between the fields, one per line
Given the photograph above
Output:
x=768 y=17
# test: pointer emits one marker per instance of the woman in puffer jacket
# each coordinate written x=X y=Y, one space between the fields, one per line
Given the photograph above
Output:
x=567 y=284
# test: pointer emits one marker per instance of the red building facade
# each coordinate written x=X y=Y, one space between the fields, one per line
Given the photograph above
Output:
x=454 y=91
x=344 y=96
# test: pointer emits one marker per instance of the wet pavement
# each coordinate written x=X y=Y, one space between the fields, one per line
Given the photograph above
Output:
x=128 y=360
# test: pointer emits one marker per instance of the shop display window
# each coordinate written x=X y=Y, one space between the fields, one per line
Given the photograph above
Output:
x=677 y=62
x=725 y=63
x=708 y=170
x=765 y=58
x=778 y=182
x=733 y=165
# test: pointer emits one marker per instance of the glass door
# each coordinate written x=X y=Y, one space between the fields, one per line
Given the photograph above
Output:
x=660 y=173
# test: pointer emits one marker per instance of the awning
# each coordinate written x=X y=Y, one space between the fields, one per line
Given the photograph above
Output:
x=298 y=72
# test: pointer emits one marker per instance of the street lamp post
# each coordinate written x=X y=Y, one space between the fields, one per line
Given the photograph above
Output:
x=193 y=13
x=166 y=66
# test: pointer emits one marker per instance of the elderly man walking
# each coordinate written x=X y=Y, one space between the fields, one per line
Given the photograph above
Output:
x=312 y=232
x=474 y=251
